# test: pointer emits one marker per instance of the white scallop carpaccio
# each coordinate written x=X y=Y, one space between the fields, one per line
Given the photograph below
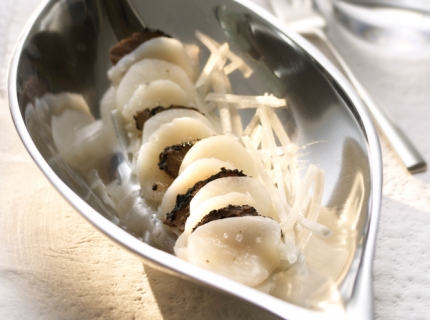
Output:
x=254 y=248
x=197 y=171
x=167 y=116
x=153 y=181
x=244 y=185
x=148 y=70
x=215 y=203
x=163 y=93
x=221 y=147
x=162 y=48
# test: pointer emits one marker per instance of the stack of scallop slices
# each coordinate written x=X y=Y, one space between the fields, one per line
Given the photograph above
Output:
x=201 y=180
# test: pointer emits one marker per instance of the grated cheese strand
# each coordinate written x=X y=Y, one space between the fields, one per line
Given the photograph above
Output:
x=236 y=61
x=260 y=167
x=210 y=43
x=236 y=120
x=203 y=79
x=278 y=128
x=251 y=125
x=264 y=118
x=287 y=163
x=256 y=138
x=268 y=160
x=246 y=102
x=289 y=223
x=315 y=208
x=218 y=85
x=232 y=66
x=216 y=61
x=295 y=179
x=290 y=247
x=314 y=227
x=284 y=150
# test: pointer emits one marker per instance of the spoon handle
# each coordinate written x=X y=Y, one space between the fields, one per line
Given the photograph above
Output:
x=123 y=18
x=404 y=148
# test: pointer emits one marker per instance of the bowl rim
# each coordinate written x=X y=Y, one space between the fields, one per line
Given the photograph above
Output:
x=361 y=301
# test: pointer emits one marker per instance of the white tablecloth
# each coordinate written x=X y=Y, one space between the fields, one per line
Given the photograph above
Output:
x=54 y=265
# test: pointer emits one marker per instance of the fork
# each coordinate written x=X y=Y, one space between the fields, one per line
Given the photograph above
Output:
x=301 y=16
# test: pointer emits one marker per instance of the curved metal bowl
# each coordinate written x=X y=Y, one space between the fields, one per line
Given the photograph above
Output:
x=64 y=49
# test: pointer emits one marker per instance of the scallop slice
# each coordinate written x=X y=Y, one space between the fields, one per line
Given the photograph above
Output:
x=148 y=70
x=90 y=144
x=197 y=171
x=221 y=147
x=245 y=249
x=167 y=116
x=244 y=185
x=60 y=102
x=70 y=118
x=154 y=182
x=162 y=93
x=162 y=48
x=180 y=247
x=215 y=203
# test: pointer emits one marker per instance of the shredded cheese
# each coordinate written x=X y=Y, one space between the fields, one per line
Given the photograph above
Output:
x=236 y=61
x=246 y=102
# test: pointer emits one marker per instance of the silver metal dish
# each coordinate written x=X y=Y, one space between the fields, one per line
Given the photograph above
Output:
x=64 y=49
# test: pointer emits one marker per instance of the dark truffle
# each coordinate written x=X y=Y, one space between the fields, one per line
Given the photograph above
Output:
x=230 y=211
x=179 y=215
x=127 y=45
x=171 y=158
x=142 y=116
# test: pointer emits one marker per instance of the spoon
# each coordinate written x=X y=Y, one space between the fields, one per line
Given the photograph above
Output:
x=322 y=108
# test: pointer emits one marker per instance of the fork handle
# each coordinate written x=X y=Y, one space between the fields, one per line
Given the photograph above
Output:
x=404 y=148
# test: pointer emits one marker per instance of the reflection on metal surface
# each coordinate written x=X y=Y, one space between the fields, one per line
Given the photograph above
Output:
x=65 y=53
x=62 y=53
x=123 y=18
x=393 y=28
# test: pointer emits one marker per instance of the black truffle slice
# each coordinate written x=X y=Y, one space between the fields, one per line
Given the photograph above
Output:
x=142 y=116
x=230 y=211
x=125 y=46
x=179 y=215
x=171 y=157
